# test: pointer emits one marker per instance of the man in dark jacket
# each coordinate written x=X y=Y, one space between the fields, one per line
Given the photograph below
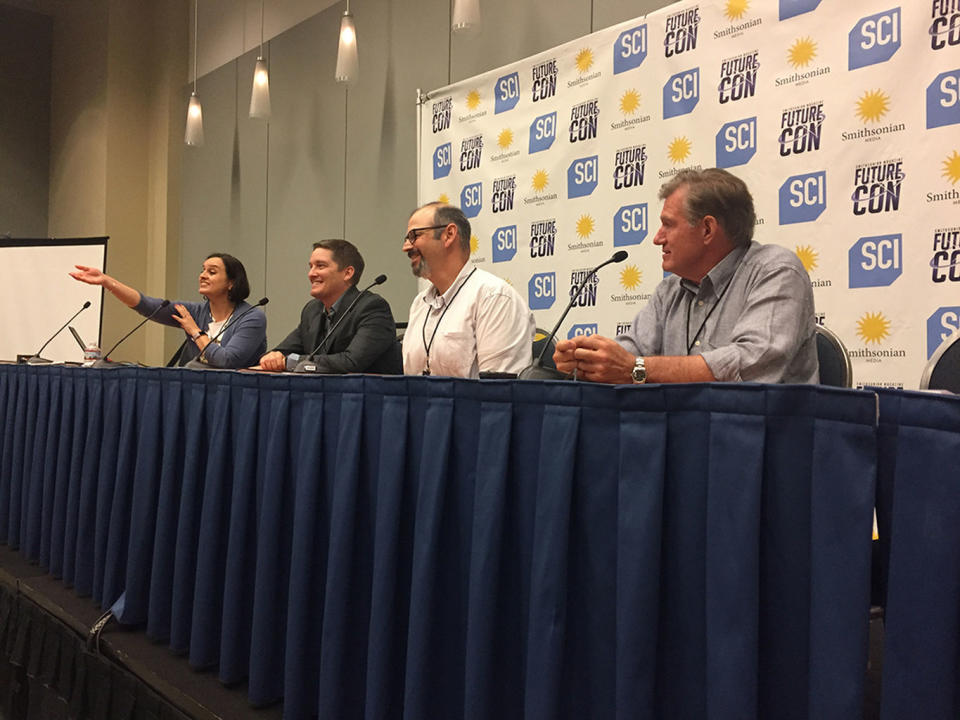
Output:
x=366 y=338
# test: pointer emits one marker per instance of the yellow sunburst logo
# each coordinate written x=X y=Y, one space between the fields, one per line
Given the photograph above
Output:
x=540 y=180
x=474 y=244
x=473 y=99
x=951 y=168
x=584 y=226
x=584 y=60
x=873 y=328
x=808 y=256
x=444 y=198
x=630 y=277
x=873 y=105
x=802 y=52
x=629 y=102
x=736 y=9
x=679 y=149
x=505 y=139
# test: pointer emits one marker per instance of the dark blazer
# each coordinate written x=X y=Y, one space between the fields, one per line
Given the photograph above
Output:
x=365 y=342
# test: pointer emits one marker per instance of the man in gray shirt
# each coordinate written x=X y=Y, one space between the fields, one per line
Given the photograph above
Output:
x=732 y=310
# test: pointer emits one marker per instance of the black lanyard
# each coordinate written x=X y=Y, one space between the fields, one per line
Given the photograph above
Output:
x=690 y=343
x=423 y=329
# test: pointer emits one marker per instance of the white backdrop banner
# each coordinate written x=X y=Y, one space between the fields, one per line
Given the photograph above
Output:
x=843 y=119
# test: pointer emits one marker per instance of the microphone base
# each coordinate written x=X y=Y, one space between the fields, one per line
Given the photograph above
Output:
x=196 y=365
x=105 y=363
x=37 y=360
x=306 y=365
x=539 y=372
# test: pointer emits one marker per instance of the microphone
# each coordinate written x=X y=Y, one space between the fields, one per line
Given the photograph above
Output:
x=105 y=361
x=536 y=370
x=36 y=359
x=308 y=364
x=197 y=363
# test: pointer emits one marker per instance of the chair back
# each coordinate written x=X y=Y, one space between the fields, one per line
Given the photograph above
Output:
x=835 y=368
x=539 y=340
x=943 y=369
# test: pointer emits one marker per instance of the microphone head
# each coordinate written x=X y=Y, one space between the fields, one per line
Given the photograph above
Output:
x=85 y=305
x=380 y=280
x=164 y=303
x=263 y=301
x=620 y=256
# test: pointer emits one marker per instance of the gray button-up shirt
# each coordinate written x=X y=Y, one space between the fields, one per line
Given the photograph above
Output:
x=751 y=318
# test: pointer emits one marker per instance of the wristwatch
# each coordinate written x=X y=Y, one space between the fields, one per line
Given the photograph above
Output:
x=197 y=336
x=639 y=373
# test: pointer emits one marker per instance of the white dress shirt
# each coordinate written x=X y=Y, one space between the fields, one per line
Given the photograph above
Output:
x=484 y=326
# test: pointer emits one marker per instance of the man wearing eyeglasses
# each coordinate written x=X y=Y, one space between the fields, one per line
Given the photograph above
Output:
x=355 y=331
x=468 y=321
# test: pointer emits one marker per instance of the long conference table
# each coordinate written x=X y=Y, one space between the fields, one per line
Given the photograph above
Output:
x=385 y=547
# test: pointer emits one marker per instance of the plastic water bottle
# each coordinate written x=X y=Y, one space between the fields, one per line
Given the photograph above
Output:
x=91 y=353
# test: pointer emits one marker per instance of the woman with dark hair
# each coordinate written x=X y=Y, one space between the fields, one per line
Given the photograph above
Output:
x=219 y=327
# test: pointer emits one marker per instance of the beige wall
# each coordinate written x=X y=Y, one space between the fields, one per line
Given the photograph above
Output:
x=78 y=127
x=331 y=162
x=25 y=38
x=117 y=73
x=338 y=161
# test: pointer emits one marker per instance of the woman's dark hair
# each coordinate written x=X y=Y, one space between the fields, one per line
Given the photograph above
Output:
x=236 y=274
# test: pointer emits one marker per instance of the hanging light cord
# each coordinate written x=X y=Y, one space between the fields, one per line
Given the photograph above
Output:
x=261 y=28
x=196 y=29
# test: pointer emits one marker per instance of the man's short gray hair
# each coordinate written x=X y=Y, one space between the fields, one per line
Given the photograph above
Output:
x=718 y=193
x=444 y=214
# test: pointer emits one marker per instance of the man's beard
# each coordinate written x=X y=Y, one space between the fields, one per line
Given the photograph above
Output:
x=421 y=269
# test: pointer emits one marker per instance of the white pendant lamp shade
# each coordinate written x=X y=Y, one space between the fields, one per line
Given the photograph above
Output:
x=348 y=66
x=260 y=95
x=194 y=134
x=466 y=15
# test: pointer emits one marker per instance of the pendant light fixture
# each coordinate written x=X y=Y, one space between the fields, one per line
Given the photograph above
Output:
x=465 y=16
x=260 y=95
x=348 y=65
x=194 y=133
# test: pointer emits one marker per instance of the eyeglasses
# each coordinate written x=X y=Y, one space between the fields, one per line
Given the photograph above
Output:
x=414 y=233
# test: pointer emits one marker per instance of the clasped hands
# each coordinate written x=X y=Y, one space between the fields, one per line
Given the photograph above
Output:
x=595 y=358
